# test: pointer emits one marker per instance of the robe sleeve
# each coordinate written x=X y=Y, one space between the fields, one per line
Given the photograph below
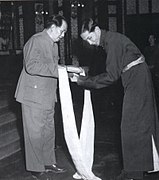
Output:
x=36 y=64
x=113 y=69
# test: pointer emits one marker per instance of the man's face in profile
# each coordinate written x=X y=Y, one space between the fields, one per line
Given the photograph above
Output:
x=93 y=38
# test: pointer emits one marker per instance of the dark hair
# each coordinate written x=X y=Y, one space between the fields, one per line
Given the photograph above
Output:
x=55 y=19
x=88 y=25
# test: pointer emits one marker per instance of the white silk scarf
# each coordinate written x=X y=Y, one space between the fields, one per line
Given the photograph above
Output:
x=81 y=148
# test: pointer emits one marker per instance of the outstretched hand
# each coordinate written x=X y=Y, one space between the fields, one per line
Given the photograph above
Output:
x=74 y=77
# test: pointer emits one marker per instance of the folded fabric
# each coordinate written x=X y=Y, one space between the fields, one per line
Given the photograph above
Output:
x=81 y=148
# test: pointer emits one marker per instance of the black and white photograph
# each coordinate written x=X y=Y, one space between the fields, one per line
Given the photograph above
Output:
x=79 y=90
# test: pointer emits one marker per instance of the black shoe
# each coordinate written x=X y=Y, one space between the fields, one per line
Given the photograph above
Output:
x=39 y=175
x=54 y=168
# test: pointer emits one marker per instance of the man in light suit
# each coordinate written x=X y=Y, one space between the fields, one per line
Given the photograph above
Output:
x=36 y=91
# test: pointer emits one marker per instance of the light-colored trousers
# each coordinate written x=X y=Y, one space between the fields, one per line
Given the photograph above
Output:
x=39 y=137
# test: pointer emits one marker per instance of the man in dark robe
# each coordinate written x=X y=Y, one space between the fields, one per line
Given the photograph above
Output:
x=139 y=125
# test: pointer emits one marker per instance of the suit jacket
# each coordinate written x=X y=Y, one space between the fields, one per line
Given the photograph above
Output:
x=38 y=80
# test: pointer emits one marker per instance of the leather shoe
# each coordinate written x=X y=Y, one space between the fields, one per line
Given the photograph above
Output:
x=54 y=168
x=40 y=175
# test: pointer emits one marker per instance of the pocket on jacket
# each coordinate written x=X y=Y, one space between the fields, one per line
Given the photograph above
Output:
x=33 y=94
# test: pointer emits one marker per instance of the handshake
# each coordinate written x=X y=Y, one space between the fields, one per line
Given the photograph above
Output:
x=73 y=72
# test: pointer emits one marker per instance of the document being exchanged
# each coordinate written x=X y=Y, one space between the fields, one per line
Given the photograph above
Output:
x=74 y=69
x=75 y=72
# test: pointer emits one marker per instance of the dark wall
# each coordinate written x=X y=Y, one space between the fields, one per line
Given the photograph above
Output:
x=10 y=67
x=139 y=27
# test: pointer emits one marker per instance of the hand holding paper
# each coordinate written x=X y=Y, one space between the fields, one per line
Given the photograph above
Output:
x=74 y=77
x=74 y=69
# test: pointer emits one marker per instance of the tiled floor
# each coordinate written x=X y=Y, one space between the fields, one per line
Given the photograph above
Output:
x=107 y=157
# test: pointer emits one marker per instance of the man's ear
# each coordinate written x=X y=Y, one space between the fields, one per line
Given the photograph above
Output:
x=53 y=26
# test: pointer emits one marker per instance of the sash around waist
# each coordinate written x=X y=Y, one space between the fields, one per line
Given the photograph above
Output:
x=140 y=60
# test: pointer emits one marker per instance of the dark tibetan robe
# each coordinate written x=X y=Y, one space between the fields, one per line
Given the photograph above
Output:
x=139 y=113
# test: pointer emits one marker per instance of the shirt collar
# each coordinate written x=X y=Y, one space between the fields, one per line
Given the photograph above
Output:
x=47 y=36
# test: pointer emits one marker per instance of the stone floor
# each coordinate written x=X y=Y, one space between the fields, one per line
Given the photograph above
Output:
x=107 y=156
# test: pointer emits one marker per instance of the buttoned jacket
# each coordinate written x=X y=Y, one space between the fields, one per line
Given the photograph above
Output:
x=38 y=80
